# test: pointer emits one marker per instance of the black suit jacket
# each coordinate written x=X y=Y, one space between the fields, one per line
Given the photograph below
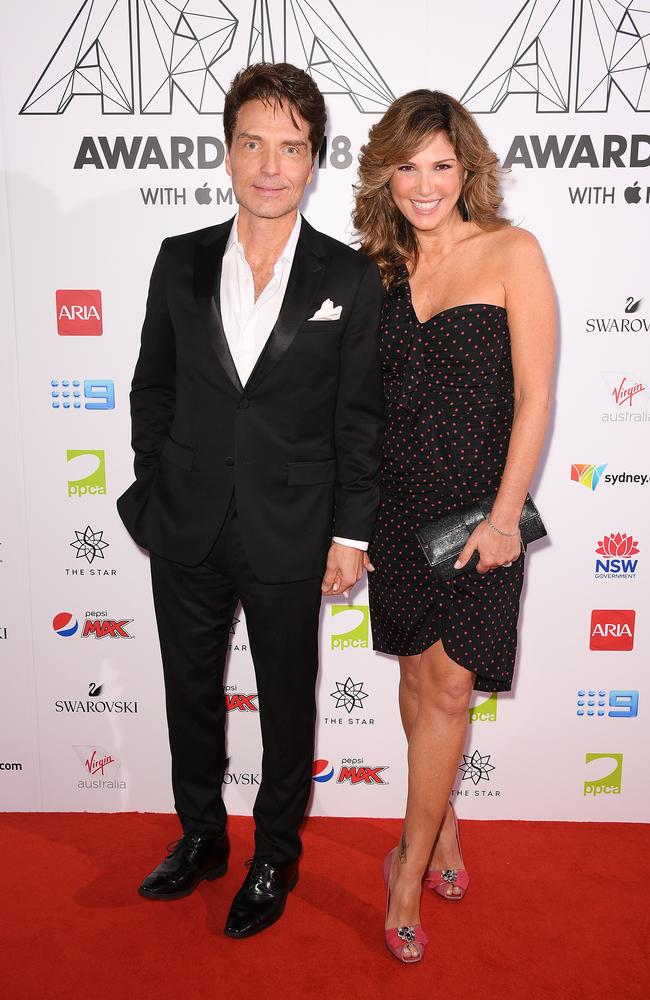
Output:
x=300 y=443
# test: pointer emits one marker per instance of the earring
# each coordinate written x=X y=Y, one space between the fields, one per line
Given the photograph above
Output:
x=464 y=210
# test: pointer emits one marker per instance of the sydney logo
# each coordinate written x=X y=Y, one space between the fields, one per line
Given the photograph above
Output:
x=587 y=475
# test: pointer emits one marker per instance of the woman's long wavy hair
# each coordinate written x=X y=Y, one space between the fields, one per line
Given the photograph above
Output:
x=385 y=234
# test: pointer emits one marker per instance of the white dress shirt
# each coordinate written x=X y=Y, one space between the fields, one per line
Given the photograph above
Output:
x=247 y=322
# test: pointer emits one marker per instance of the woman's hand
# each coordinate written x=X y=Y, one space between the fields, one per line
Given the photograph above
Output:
x=494 y=550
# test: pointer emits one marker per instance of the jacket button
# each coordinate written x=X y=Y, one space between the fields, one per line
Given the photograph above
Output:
x=230 y=460
x=244 y=404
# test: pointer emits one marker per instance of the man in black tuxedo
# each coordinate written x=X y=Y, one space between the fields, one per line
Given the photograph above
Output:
x=257 y=415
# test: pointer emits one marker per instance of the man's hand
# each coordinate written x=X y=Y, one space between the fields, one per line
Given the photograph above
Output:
x=344 y=568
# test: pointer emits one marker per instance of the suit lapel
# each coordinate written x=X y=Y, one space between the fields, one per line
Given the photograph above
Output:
x=208 y=258
x=304 y=280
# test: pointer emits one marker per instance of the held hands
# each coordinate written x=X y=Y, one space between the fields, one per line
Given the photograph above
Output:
x=494 y=550
x=345 y=566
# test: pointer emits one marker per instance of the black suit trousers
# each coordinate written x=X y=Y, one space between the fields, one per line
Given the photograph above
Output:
x=195 y=606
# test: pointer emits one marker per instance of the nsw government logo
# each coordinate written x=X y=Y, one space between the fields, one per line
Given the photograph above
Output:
x=610 y=782
x=354 y=625
x=612 y=629
x=93 y=463
x=79 y=312
x=615 y=560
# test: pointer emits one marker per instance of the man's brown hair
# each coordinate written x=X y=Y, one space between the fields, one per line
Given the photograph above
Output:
x=277 y=83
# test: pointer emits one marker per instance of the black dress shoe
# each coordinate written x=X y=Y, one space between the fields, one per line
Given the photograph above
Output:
x=196 y=856
x=262 y=898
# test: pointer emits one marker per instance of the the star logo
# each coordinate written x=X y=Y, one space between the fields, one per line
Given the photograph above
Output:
x=349 y=695
x=476 y=767
x=89 y=544
x=233 y=625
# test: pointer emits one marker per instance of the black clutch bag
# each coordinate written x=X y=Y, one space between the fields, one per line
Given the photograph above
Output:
x=443 y=541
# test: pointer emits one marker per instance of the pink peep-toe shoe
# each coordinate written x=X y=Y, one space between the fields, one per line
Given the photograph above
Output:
x=441 y=879
x=398 y=937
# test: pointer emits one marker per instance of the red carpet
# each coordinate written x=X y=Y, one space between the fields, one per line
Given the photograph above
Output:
x=553 y=910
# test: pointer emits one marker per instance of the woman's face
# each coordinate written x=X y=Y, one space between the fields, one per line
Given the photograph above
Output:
x=427 y=187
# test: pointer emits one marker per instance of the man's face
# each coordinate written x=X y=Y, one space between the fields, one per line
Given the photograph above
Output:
x=270 y=160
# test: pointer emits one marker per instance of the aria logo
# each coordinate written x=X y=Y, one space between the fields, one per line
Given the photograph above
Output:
x=612 y=629
x=621 y=704
x=192 y=50
x=79 y=312
x=610 y=782
x=615 y=563
x=356 y=636
x=535 y=56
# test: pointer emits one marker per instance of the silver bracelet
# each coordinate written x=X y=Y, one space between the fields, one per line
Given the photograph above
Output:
x=506 y=534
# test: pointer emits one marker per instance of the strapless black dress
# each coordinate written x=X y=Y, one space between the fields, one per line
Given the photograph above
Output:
x=449 y=396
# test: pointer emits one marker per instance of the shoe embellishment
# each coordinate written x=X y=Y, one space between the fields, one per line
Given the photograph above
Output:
x=406 y=934
x=449 y=875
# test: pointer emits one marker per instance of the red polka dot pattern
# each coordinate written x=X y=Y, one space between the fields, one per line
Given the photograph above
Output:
x=449 y=396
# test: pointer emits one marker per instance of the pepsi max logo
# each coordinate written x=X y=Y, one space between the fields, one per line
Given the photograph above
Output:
x=65 y=624
x=322 y=771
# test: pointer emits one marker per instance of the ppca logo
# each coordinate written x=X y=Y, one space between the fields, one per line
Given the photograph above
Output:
x=610 y=783
x=92 y=484
x=79 y=312
x=355 y=623
x=486 y=711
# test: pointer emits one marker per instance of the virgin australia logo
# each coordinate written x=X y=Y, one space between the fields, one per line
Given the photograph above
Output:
x=194 y=49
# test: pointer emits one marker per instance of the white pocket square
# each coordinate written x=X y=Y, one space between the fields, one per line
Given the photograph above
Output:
x=327 y=311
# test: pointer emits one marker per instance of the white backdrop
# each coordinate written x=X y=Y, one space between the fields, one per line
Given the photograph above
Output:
x=112 y=134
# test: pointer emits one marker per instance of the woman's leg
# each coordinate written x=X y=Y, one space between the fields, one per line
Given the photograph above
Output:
x=436 y=739
x=445 y=853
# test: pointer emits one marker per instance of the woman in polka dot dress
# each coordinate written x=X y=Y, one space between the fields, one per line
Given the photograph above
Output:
x=467 y=341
